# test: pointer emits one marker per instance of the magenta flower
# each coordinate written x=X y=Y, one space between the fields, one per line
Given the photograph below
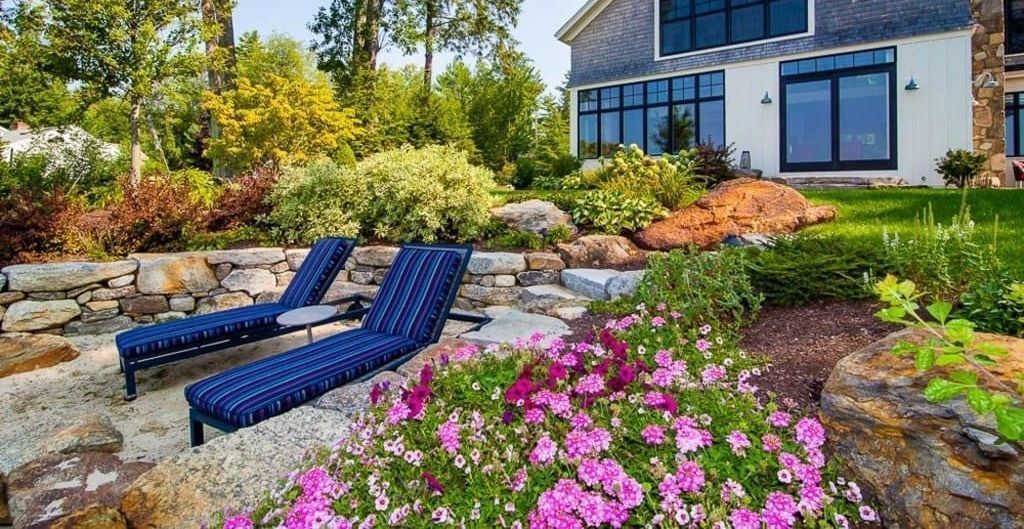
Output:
x=739 y=442
x=867 y=514
x=690 y=476
x=433 y=485
x=240 y=521
x=653 y=434
x=810 y=433
x=703 y=345
x=745 y=519
x=448 y=435
x=544 y=451
x=780 y=419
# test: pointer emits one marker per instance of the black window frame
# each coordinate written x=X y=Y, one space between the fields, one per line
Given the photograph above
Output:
x=833 y=74
x=727 y=9
x=716 y=84
x=1015 y=106
x=1014 y=27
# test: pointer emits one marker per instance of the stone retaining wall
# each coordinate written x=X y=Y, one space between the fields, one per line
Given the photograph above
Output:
x=97 y=298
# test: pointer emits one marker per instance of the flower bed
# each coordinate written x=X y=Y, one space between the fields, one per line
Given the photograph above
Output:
x=649 y=422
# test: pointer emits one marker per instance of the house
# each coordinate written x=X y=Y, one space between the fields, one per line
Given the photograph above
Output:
x=842 y=90
x=54 y=141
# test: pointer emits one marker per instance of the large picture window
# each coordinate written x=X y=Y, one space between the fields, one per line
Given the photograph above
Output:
x=839 y=112
x=691 y=25
x=660 y=116
x=1015 y=124
x=1014 y=26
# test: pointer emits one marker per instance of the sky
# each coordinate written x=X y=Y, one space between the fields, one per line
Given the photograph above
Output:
x=538 y=23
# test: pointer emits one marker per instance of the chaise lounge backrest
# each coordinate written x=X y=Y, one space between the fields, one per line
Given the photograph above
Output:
x=318 y=272
x=418 y=291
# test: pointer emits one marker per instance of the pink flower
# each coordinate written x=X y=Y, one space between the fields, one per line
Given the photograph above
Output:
x=842 y=521
x=867 y=514
x=544 y=452
x=534 y=416
x=590 y=384
x=663 y=358
x=739 y=442
x=810 y=433
x=732 y=489
x=779 y=419
x=712 y=373
x=653 y=434
x=785 y=476
x=240 y=521
x=771 y=443
x=703 y=345
x=745 y=519
x=657 y=322
x=433 y=485
x=448 y=435
x=690 y=476
x=705 y=330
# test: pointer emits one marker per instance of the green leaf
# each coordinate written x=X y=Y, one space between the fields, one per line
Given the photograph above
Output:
x=941 y=390
x=924 y=359
x=980 y=401
x=904 y=348
x=940 y=310
x=960 y=331
x=984 y=360
x=950 y=360
x=1010 y=423
x=892 y=315
x=964 y=377
x=991 y=349
x=906 y=288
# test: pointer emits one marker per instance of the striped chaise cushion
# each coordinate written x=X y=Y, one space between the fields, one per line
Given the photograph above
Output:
x=252 y=393
x=310 y=283
x=415 y=293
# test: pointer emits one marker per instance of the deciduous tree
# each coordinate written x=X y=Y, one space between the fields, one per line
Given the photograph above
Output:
x=29 y=92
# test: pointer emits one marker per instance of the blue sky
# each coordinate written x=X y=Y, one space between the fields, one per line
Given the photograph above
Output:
x=537 y=25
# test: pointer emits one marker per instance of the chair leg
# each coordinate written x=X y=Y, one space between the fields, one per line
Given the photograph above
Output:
x=130 y=392
x=195 y=430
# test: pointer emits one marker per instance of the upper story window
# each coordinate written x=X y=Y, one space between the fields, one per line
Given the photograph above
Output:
x=692 y=25
x=1014 y=26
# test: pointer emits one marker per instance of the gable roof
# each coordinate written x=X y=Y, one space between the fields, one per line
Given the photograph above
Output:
x=581 y=20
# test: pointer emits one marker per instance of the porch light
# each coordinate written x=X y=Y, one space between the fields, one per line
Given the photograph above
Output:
x=912 y=85
x=767 y=99
x=986 y=80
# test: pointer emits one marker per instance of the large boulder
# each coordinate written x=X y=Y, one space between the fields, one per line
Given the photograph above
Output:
x=93 y=517
x=511 y=325
x=230 y=471
x=58 y=277
x=490 y=295
x=736 y=207
x=589 y=282
x=92 y=433
x=536 y=216
x=376 y=256
x=601 y=251
x=255 y=281
x=49 y=488
x=21 y=353
x=176 y=274
x=930 y=465
x=29 y=315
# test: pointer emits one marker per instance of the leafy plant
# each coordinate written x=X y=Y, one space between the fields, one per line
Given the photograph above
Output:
x=669 y=179
x=29 y=224
x=703 y=287
x=614 y=212
x=318 y=200
x=960 y=167
x=996 y=306
x=243 y=200
x=714 y=163
x=795 y=270
x=953 y=344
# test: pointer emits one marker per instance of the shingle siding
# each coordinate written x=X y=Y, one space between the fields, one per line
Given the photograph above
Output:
x=620 y=42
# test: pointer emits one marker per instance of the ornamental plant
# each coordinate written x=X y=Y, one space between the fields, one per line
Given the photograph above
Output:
x=647 y=422
x=953 y=344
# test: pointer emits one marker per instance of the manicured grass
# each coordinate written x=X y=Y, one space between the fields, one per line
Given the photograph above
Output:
x=865 y=214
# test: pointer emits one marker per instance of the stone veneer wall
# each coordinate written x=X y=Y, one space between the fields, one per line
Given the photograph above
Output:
x=987 y=48
x=96 y=298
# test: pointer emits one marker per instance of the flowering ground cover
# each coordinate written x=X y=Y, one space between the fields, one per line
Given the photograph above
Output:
x=648 y=423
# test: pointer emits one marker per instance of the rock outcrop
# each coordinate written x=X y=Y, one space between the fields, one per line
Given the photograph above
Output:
x=176 y=274
x=736 y=207
x=601 y=251
x=931 y=466
x=536 y=216
x=93 y=433
x=21 y=353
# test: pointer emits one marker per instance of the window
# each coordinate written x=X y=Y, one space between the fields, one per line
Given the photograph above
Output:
x=690 y=25
x=1014 y=26
x=1015 y=124
x=660 y=116
x=839 y=112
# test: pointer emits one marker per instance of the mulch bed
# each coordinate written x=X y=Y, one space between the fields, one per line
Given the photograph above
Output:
x=803 y=343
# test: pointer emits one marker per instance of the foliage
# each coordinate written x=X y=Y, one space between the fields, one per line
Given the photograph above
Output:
x=669 y=179
x=615 y=211
x=28 y=222
x=499 y=98
x=259 y=59
x=705 y=288
x=795 y=270
x=996 y=306
x=946 y=261
x=499 y=235
x=651 y=421
x=29 y=91
x=349 y=38
x=78 y=168
x=425 y=195
x=953 y=344
x=318 y=200
x=714 y=163
x=526 y=173
x=551 y=147
x=243 y=236
x=242 y=201
x=279 y=122
x=960 y=167
x=125 y=49
x=154 y=213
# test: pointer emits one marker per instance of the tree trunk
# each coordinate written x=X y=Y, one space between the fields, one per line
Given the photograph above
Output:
x=135 y=118
x=429 y=33
x=371 y=46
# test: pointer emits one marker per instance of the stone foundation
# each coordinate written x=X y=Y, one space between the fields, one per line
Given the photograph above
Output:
x=987 y=47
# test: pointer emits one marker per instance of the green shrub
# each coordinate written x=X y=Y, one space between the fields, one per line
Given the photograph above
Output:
x=703 y=287
x=345 y=156
x=668 y=179
x=526 y=173
x=82 y=170
x=799 y=269
x=614 y=211
x=960 y=167
x=201 y=185
x=996 y=306
x=499 y=235
x=714 y=163
x=425 y=195
x=560 y=166
x=321 y=199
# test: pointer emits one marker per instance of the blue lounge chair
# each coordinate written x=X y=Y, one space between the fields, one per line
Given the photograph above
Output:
x=408 y=314
x=164 y=343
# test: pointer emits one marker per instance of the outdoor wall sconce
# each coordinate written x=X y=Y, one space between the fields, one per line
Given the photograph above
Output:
x=912 y=85
x=986 y=80
x=767 y=99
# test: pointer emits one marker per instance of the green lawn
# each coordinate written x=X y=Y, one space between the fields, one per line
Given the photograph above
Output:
x=864 y=214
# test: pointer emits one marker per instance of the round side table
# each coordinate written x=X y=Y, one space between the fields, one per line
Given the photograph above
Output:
x=308 y=317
